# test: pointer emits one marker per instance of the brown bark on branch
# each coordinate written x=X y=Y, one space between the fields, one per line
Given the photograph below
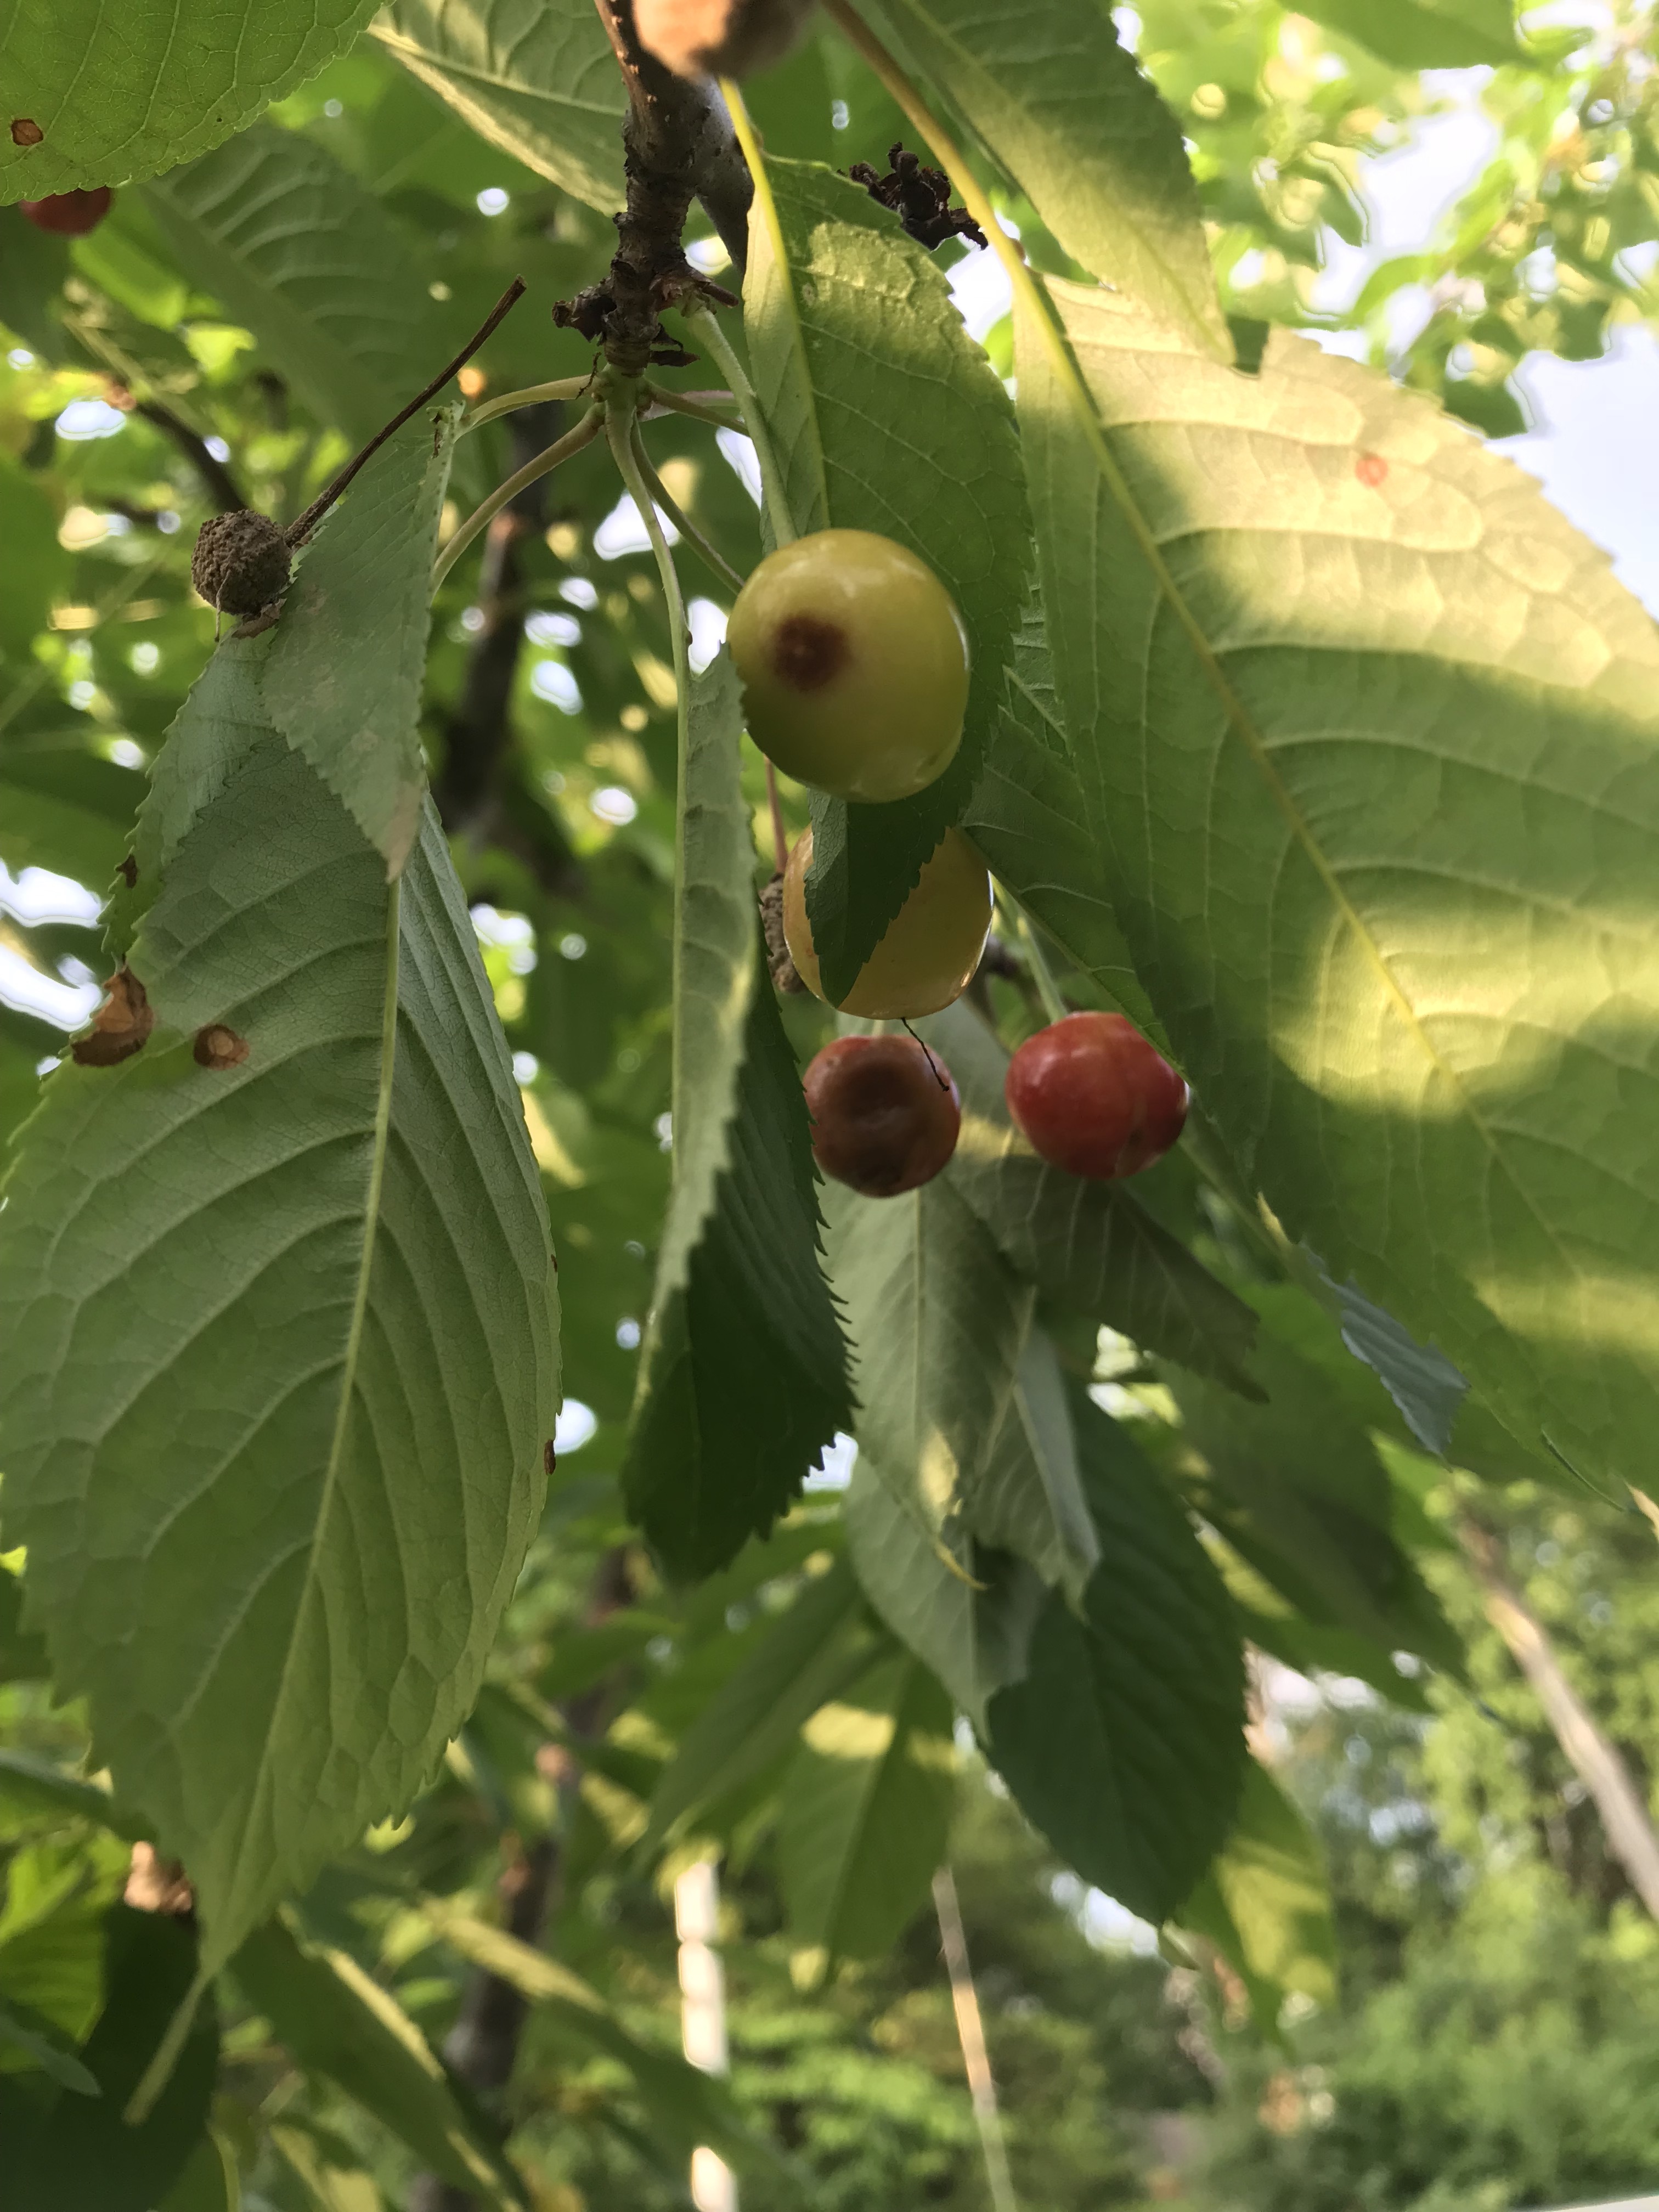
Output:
x=1594 y=1756
x=677 y=145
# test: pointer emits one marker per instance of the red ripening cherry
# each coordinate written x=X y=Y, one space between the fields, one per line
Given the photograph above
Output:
x=71 y=215
x=885 y=1114
x=1093 y=1096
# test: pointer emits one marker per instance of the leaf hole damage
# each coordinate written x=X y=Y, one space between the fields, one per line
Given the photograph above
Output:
x=808 y=653
x=26 y=132
x=218 y=1046
x=549 y=1457
x=121 y=1025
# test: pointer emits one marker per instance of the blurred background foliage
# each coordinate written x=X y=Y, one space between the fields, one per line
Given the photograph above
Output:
x=1488 y=2041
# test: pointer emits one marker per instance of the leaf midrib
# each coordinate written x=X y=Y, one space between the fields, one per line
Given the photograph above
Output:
x=258 y=1786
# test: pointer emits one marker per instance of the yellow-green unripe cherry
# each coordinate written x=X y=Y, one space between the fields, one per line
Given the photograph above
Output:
x=932 y=945
x=855 y=665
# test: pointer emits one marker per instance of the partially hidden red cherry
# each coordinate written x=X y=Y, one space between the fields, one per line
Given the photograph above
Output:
x=71 y=215
x=1093 y=1096
x=885 y=1114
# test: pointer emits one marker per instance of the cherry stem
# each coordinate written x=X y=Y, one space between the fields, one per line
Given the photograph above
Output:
x=572 y=442
x=712 y=557
x=298 y=532
x=619 y=431
x=1035 y=959
x=939 y=1076
x=702 y=324
x=533 y=395
x=704 y=406
x=780 y=839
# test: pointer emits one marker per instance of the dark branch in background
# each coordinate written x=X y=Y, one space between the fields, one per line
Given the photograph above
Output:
x=677 y=145
x=222 y=487
x=483 y=2046
x=479 y=790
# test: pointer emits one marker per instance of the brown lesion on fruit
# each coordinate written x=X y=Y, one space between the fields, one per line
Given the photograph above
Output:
x=218 y=1046
x=121 y=1026
x=808 y=651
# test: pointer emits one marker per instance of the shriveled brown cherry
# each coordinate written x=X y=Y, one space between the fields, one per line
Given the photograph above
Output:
x=1093 y=1096
x=71 y=215
x=886 y=1114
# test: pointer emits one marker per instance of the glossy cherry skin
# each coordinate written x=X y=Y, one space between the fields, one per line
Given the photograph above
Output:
x=1093 y=1096
x=933 y=945
x=71 y=215
x=885 y=1114
x=855 y=665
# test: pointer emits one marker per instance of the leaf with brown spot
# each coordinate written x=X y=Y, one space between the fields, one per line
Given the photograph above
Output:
x=120 y=1027
x=219 y=1046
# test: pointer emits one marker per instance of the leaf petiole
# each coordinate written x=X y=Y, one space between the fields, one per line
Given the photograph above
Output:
x=712 y=557
x=533 y=395
x=561 y=450
x=702 y=323
x=705 y=406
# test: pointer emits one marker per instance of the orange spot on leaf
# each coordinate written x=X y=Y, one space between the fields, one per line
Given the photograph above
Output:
x=1370 y=469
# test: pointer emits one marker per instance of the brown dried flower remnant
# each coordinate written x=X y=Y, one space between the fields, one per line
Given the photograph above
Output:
x=217 y=1046
x=120 y=1027
x=919 y=197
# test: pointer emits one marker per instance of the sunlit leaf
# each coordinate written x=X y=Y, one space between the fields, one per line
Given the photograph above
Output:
x=1368 y=732
x=118 y=94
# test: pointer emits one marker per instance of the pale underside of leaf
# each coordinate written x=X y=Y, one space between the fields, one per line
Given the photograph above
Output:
x=535 y=77
x=297 y=251
x=282 y=1352
x=120 y=92
x=1371 y=738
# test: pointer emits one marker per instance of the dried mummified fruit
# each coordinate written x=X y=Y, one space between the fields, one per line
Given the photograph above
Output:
x=241 y=561
x=719 y=38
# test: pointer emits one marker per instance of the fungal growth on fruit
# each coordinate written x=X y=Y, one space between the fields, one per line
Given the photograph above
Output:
x=931 y=948
x=719 y=38
x=241 y=561
x=885 y=1113
x=70 y=215
x=1093 y=1096
x=855 y=665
